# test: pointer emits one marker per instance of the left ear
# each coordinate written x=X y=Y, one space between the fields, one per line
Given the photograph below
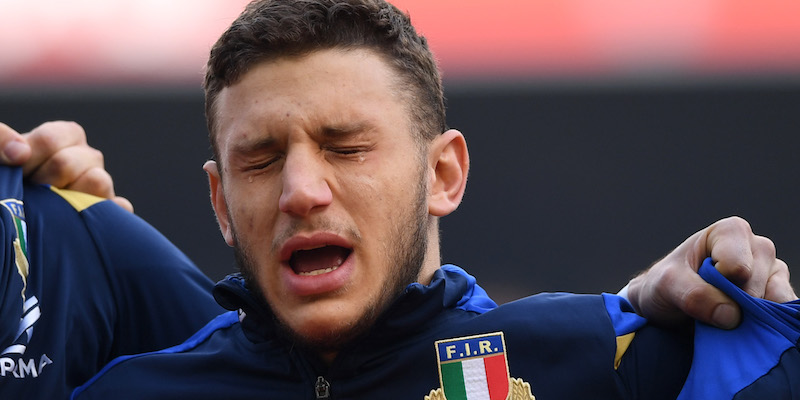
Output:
x=449 y=163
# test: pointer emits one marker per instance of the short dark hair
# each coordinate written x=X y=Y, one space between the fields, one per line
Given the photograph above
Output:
x=270 y=29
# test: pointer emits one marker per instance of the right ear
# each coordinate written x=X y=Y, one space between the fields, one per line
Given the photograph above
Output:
x=218 y=201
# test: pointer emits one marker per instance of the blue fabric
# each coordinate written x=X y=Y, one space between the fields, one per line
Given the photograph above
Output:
x=474 y=299
x=728 y=361
x=101 y=283
x=563 y=345
x=222 y=321
x=623 y=316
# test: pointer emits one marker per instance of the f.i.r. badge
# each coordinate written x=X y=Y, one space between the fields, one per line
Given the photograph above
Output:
x=476 y=368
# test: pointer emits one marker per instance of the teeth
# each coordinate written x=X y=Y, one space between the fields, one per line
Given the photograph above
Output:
x=318 y=271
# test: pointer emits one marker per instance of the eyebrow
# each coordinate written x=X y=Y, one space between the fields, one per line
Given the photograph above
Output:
x=329 y=132
x=341 y=130
x=254 y=145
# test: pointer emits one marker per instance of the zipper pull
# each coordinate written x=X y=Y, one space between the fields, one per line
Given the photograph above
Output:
x=322 y=388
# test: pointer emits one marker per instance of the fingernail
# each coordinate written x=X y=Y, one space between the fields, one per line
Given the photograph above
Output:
x=14 y=150
x=725 y=316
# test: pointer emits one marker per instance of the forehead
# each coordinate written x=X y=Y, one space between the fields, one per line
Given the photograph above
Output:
x=325 y=87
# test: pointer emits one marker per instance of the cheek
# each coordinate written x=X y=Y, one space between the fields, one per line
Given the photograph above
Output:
x=379 y=206
x=251 y=208
x=391 y=183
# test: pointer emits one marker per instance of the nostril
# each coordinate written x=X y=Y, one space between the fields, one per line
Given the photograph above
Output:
x=301 y=198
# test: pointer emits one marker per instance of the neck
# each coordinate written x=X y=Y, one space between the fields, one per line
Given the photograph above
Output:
x=433 y=259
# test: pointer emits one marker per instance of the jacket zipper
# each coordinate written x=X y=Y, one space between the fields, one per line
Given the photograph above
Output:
x=322 y=388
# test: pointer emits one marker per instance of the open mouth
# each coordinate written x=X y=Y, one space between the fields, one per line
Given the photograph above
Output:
x=318 y=261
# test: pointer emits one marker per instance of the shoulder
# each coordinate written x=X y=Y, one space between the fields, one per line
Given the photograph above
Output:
x=121 y=263
x=157 y=370
x=552 y=339
x=605 y=315
x=78 y=200
x=130 y=248
x=75 y=227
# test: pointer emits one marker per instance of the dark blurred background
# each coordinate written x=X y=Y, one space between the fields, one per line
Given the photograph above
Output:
x=598 y=144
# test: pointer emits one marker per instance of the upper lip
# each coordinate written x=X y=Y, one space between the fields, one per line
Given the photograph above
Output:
x=311 y=241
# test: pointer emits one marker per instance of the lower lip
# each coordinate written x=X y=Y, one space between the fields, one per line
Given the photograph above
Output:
x=303 y=285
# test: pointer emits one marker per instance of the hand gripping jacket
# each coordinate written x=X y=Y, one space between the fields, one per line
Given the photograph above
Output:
x=84 y=281
x=758 y=360
x=552 y=346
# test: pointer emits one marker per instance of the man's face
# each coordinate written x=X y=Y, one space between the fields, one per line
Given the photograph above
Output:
x=324 y=189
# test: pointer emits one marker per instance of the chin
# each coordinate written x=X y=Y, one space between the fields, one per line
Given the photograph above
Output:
x=321 y=338
x=329 y=330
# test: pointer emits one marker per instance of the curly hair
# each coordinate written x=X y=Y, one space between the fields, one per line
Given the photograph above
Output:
x=271 y=29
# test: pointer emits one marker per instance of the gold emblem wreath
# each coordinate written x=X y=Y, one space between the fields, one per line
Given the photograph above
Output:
x=518 y=390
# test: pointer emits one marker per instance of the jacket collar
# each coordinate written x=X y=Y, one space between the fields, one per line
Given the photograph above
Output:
x=450 y=288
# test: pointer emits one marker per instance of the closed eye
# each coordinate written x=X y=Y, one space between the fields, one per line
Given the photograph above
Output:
x=354 y=153
x=348 y=150
x=261 y=165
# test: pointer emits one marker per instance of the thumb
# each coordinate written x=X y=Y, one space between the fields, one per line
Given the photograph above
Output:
x=667 y=294
x=14 y=150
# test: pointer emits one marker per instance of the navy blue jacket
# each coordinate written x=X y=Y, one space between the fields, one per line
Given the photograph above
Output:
x=564 y=346
x=84 y=281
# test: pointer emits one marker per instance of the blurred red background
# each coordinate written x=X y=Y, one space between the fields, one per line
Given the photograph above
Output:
x=131 y=42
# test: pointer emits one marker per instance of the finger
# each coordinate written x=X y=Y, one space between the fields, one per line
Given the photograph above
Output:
x=671 y=295
x=763 y=266
x=123 y=202
x=702 y=301
x=779 y=287
x=729 y=242
x=741 y=256
x=64 y=168
x=98 y=182
x=95 y=181
x=50 y=137
x=15 y=149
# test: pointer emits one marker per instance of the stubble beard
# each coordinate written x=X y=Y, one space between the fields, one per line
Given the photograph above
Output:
x=408 y=254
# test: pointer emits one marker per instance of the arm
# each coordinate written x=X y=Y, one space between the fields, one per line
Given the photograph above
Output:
x=57 y=153
x=671 y=290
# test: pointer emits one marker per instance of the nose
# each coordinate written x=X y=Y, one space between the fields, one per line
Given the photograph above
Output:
x=305 y=186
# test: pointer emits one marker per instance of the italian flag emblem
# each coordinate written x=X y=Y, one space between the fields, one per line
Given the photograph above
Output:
x=474 y=367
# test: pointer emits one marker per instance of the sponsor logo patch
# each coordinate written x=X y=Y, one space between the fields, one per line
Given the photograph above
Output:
x=11 y=364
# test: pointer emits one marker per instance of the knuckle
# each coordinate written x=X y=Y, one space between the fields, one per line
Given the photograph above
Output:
x=779 y=287
x=694 y=299
x=124 y=203
x=55 y=135
x=765 y=246
x=47 y=138
x=781 y=268
x=742 y=224
x=58 y=164
x=735 y=223
x=71 y=130
x=780 y=272
x=98 y=156
x=76 y=131
x=95 y=181
x=738 y=273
